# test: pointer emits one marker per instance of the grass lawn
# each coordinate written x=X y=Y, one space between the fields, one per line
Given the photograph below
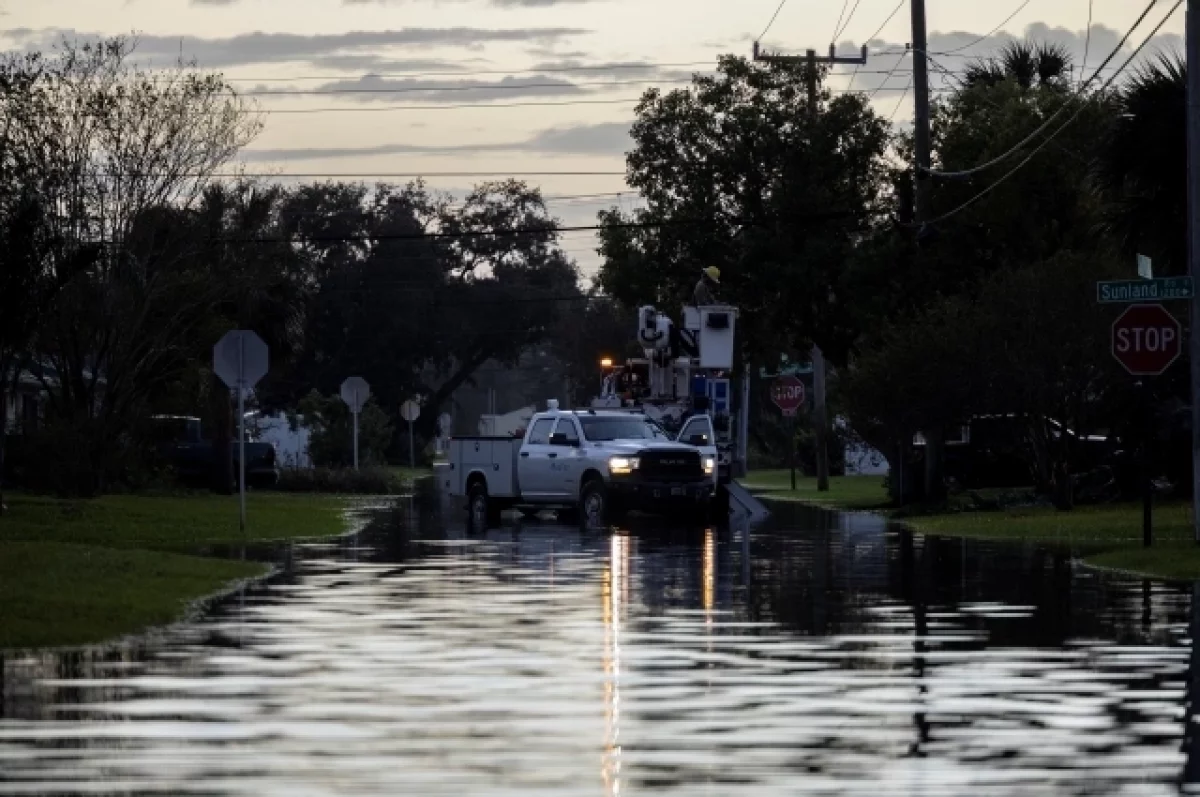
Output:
x=1108 y=536
x=845 y=492
x=74 y=572
x=171 y=523
x=55 y=594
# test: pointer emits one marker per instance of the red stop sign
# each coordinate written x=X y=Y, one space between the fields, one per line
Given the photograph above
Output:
x=1146 y=339
x=788 y=394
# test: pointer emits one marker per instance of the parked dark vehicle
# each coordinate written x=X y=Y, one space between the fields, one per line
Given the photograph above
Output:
x=995 y=451
x=182 y=445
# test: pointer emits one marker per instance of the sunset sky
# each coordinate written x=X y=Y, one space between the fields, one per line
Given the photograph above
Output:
x=569 y=71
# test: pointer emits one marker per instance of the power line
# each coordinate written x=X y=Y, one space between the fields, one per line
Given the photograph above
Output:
x=1046 y=124
x=988 y=35
x=547 y=231
x=900 y=101
x=838 y=25
x=447 y=106
x=1087 y=45
x=375 y=175
x=890 y=16
x=774 y=16
x=416 y=89
x=846 y=24
x=473 y=73
x=1063 y=127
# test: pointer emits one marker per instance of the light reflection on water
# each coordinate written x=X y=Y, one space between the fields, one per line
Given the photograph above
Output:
x=818 y=656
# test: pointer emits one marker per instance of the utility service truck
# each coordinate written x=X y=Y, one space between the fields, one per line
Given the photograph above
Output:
x=596 y=463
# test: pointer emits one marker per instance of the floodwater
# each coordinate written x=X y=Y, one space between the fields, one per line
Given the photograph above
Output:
x=819 y=654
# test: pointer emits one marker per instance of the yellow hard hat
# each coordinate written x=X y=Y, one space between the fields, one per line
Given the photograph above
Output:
x=713 y=273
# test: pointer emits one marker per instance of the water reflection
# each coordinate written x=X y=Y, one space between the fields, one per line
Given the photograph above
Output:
x=823 y=654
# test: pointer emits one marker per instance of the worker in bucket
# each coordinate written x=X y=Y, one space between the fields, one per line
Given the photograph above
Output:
x=710 y=280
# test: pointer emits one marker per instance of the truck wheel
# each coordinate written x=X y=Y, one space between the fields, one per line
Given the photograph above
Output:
x=593 y=504
x=481 y=515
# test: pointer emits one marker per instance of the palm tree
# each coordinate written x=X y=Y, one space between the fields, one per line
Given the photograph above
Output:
x=1025 y=63
x=1144 y=166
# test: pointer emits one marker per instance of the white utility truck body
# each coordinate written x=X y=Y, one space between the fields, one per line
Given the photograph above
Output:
x=598 y=462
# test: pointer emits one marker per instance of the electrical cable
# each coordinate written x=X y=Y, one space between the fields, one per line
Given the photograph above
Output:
x=872 y=37
x=547 y=231
x=846 y=24
x=837 y=26
x=1064 y=125
x=1087 y=44
x=774 y=16
x=415 y=89
x=550 y=70
x=988 y=35
x=1049 y=121
x=900 y=101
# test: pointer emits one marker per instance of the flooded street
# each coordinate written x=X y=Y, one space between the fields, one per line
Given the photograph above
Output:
x=818 y=655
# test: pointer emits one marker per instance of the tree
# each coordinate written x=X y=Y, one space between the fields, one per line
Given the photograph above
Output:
x=409 y=287
x=137 y=149
x=737 y=173
x=1143 y=166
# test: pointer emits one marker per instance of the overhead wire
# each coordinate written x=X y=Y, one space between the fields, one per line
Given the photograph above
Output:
x=548 y=70
x=989 y=34
x=1054 y=116
x=1087 y=44
x=846 y=24
x=872 y=37
x=837 y=26
x=774 y=16
x=1061 y=128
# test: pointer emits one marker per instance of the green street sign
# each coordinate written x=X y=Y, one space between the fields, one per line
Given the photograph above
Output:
x=1152 y=290
x=790 y=369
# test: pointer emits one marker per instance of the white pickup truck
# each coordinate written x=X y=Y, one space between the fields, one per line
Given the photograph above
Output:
x=595 y=462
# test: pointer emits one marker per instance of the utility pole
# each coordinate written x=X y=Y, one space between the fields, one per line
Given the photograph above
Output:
x=821 y=415
x=1193 y=137
x=935 y=441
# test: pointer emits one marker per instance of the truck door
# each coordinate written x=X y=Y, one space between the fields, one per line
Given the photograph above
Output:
x=566 y=459
x=533 y=463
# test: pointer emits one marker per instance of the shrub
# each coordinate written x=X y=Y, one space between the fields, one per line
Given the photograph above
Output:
x=345 y=481
x=331 y=432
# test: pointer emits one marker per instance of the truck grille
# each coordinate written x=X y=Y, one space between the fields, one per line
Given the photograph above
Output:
x=671 y=465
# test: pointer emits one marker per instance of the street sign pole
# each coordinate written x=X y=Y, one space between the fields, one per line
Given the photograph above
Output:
x=1147 y=487
x=241 y=391
x=240 y=360
x=1192 y=38
x=355 y=440
x=412 y=449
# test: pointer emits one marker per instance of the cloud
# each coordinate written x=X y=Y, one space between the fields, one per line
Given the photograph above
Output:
x=500 y=3
x=264 y=48
x=609 y=138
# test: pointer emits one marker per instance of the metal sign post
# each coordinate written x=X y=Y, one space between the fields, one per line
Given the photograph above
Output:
x=241 y=359
x=410 y=411
x=788 y=395
x=355 y=392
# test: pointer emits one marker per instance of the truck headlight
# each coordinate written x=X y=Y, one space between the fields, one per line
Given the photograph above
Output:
x=623 y=464
x=709 y=465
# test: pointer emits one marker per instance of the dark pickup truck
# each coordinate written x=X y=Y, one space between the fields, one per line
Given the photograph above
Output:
x=182 y=445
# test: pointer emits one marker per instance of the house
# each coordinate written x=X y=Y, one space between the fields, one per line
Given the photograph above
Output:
x=23 y=407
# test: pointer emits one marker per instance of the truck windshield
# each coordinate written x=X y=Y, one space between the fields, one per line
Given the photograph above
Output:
x=602 y=430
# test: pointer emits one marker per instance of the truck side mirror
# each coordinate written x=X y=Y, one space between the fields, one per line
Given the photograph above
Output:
x=560 y=439
x=698 y=440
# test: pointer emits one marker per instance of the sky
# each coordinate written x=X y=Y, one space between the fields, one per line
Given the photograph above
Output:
x=470 y=90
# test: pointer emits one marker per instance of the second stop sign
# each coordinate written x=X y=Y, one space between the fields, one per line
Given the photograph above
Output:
x=1146 y=339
